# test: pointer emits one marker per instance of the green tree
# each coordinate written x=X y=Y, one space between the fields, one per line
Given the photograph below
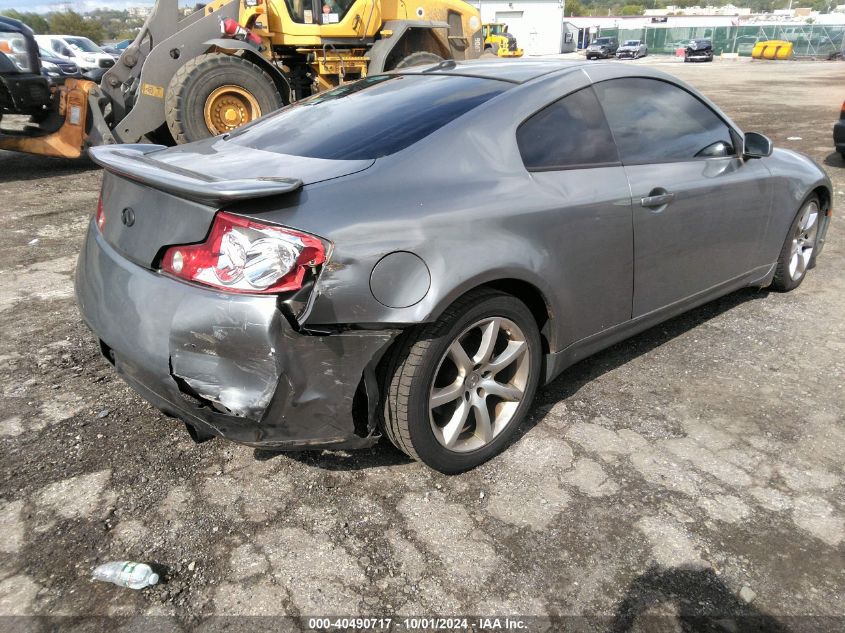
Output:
x=633 y=9
x=71 y=23
x=574 y=7
x=34 y=21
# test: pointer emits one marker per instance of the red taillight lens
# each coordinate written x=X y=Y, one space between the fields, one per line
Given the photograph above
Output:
x=101 y=215
x=242 y=255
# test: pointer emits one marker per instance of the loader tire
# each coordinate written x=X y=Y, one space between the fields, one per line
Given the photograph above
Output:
x=215 y=93
x=418 y=59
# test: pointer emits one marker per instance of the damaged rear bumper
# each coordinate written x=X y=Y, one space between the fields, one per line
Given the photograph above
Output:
x=227 y=364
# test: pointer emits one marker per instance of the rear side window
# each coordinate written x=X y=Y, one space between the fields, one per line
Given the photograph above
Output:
x=374 y=117
x=654 y=121
x=568 y=134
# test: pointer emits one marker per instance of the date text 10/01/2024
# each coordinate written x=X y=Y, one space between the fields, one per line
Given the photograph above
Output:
x=418 y=624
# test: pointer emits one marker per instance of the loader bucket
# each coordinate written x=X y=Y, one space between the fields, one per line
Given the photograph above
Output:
x=69 y=140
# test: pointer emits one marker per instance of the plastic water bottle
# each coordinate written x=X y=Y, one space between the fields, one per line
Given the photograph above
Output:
x=125 y=573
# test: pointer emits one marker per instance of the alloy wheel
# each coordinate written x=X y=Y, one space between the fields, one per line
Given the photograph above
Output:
x=804 y=241
x=479 y=384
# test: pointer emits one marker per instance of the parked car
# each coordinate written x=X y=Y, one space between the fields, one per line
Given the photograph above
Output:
x=632 y=49
x=111 y=50
x=23 y=90
x=699 y=50
x=839 y=132
x=602 y=48
x=79 y=50
x=57 y=69
x=302 y=291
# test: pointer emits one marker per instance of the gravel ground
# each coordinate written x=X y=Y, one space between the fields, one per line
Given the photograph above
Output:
x=693 y=470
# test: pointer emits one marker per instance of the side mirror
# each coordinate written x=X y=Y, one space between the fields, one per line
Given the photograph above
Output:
x=757 y=145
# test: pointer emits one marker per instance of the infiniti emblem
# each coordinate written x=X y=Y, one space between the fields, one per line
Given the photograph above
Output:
x=127 y=216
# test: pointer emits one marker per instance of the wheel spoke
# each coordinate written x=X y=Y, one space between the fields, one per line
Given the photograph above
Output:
x=489 y=335
x=445 y=395
x=456 y=424
x=804 y=259
x=505 y=392
x=513 y=351
x=460 y=358
x=793 y=264
x=809 y=219
x=483 y=425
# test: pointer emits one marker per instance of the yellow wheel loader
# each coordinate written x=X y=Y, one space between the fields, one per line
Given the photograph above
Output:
x=187 y=78
x=498 y=41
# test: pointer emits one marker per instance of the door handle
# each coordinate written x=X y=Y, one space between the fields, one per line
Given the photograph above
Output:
x=657 y=198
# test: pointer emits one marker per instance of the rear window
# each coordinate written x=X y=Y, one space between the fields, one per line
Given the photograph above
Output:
x=374 y=117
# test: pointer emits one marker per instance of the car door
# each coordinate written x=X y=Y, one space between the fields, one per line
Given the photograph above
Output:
x=699 y=210
x=568 y=148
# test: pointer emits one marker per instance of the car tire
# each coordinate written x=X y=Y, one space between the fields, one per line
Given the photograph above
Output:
x=203 y=82
x=422 y=359
x=419 y=58
x=798 y=251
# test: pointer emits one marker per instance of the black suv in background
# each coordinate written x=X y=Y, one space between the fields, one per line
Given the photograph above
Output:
x=700 y=50
x=23 y=90
x=602 y=48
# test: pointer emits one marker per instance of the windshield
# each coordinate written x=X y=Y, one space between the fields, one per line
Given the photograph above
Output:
x=632 y=43
x=602 y=40
x=83 y=44
x=374 y=117
x=497 y=29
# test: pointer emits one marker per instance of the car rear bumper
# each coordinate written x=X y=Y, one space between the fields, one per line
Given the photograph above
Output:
x=839 y=135
x=228 y=364
x=699 y=56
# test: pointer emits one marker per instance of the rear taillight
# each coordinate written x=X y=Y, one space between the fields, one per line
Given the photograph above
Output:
x=842 y=113
x=100 y=217
x=242 y=255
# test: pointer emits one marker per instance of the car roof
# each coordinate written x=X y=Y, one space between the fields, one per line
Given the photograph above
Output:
x=512 y=70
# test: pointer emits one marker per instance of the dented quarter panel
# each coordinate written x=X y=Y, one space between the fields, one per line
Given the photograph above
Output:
x=250 y=376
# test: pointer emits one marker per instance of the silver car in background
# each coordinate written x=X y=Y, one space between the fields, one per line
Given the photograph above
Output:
x=415 y=253
x=632 y=49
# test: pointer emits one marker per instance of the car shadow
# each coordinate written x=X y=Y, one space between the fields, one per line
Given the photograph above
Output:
x=574 y=378
x=834 y=159
x=382 y=454
x=698 y=599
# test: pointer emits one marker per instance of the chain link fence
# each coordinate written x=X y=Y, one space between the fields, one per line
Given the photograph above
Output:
x=807 y=40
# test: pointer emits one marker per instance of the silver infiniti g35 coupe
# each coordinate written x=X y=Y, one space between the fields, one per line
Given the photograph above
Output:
x=415 y=253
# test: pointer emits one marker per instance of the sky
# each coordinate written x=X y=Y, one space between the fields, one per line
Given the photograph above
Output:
x=80 y=6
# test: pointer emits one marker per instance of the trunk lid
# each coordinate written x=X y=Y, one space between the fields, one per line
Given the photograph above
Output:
x=154 y=197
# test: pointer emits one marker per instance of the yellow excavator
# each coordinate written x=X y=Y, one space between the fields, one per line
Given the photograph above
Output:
x=498 y=41
x=185 y=78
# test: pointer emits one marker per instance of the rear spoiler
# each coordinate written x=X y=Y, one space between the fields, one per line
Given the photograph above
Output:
x=132 y=162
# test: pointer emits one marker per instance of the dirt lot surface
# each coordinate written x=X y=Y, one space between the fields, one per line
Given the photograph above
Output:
x=687 y=471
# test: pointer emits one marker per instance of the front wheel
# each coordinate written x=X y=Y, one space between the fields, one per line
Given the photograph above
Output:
x=457 y=389
x=796 y=256
x=215 y=93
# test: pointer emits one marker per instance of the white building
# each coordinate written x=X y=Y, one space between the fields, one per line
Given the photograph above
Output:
x=536 y=24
